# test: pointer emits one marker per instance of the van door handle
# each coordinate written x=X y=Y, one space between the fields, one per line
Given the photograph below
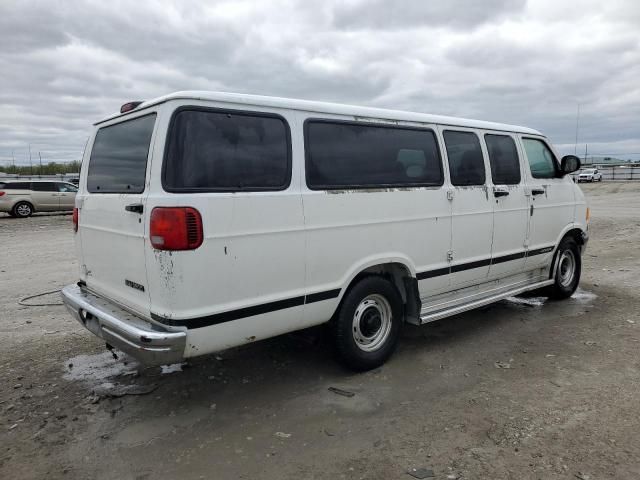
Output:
x=135 y=208
x=537 y=191
x=500 y=192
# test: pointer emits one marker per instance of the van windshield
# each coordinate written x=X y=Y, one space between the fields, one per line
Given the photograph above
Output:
x=118 y=162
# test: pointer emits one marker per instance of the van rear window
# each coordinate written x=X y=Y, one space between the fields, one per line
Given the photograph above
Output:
x=118 y=162
x=352 y=155
x=215 y=150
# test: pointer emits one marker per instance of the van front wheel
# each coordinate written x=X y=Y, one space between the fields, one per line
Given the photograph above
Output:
x=568 y=270
x=367 y=325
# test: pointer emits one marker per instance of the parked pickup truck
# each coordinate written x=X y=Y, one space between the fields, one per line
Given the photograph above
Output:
x=205 y=221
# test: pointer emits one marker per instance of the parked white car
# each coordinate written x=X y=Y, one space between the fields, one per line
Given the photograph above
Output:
x=589 y=175
x=210 y=220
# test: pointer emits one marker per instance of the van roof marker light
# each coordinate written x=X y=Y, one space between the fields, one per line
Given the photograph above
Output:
x=127 y=107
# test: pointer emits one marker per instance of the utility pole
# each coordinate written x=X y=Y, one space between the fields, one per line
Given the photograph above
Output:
x=585 y=153
x=575 y=148
x=30 y=162
x=40 y=163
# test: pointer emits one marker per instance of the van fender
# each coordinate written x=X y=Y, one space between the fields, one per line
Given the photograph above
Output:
x=568 y=228
x=381 y=260
x=573 y=226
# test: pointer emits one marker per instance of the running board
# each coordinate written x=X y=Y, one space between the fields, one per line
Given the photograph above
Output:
x=447 y=312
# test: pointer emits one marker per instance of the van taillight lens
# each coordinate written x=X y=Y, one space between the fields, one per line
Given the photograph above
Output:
x=76 y=215
x=2 y=193
x=175 y=228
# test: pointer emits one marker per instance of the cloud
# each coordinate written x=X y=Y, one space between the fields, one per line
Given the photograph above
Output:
x=67 y=64
x=403 y=15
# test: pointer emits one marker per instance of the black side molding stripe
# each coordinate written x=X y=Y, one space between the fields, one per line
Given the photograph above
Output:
x=470 y=265
x=231 y=315
x=318 y=297
x=540 y=251
x=508 y=258
x=482 y=263
x=432 y=273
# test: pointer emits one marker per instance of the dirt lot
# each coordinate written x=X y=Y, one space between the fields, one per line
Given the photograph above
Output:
x=519 y=390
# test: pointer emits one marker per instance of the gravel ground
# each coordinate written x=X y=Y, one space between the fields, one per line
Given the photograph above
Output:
x=522 y=389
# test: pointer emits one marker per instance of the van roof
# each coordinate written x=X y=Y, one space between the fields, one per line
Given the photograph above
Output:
x=325 y=107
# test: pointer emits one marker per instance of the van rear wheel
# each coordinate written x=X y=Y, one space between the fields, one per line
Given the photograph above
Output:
x=366 y=328
x=22 y=210
x=568 y=270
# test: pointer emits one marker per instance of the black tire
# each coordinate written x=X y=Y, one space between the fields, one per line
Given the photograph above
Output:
x=568 y=265
x=22 y=210
x=366 y=327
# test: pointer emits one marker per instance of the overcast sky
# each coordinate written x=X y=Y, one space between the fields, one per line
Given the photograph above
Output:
x=66 y=64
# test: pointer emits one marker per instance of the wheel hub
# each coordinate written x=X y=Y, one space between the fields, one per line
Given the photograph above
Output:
x=566 y=268
x=372 y=323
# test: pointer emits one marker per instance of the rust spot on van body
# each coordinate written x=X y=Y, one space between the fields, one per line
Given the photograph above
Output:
x=165 y=263
x=376 y=190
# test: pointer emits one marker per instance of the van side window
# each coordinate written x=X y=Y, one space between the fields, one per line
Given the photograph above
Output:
x=542 y=161
x=65 y=187
x=44 y=187
x=466 y=162
x=355 y=155
x=503 y=157
x=213 y=150
x=16 y=186
x=118 y=162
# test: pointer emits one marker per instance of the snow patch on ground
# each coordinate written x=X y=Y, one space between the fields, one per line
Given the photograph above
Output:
x=175 y=367
x=529 y=302
x=96 y=369
x=584 y=296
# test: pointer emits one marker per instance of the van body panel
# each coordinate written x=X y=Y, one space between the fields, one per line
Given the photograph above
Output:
x=551 y=211
x=510 y=218
x=253 y=248
x=471 y=218
x=113 y=239
x=351 y=229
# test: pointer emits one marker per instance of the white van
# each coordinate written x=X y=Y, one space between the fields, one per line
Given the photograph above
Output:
x=210 y=220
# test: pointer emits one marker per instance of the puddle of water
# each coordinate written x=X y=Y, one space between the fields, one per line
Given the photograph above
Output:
x=96 y=369
x=529 y=302
x=583 y=296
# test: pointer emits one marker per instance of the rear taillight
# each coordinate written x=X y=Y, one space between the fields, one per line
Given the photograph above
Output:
x=2 y=193
x=76 y=215
x=175 y=228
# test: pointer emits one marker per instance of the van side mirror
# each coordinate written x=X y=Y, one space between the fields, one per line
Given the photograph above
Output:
x=569 y=164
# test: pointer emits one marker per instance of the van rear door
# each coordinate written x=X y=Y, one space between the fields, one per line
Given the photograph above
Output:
x=112 y=217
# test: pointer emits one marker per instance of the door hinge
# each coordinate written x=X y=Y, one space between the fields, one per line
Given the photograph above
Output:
x=449 y=194
x=450 y=255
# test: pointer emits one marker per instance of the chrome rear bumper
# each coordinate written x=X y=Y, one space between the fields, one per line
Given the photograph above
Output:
x=123 y=330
